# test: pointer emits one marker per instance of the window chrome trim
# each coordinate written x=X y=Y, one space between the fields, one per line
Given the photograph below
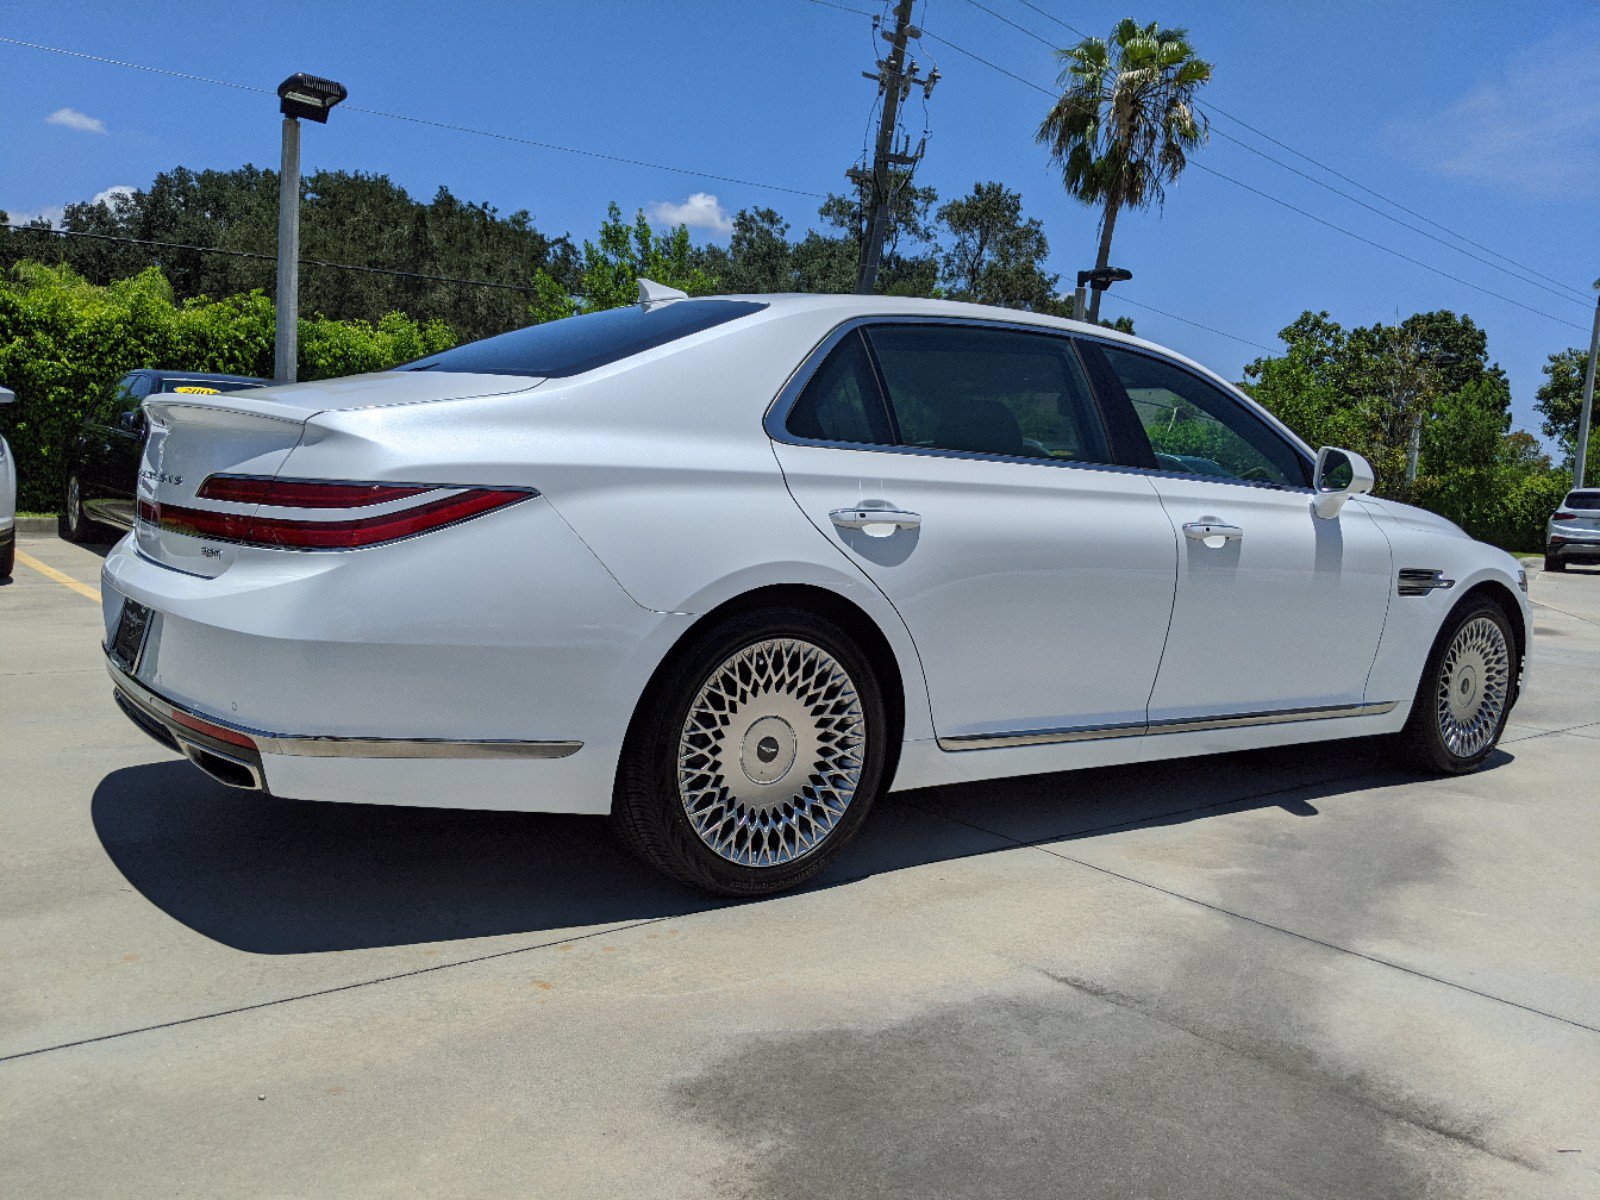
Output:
x=774 y=422
x=325 y=746
x=777 y=414
x=1094 y=733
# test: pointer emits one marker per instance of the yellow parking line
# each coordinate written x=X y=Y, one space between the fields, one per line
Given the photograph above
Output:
x=49 y=572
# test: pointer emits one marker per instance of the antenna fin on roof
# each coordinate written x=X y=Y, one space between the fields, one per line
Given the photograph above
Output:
x=651 y=292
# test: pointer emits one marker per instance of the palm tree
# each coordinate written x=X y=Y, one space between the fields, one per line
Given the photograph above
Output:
x=1126 y=121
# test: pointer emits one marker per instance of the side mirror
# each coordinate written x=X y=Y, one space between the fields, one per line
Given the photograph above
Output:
x=7 y=396
x=131 y=421
x=1340 y=474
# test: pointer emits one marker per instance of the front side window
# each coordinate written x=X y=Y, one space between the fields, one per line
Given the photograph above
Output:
x=573 y=345
x=124 y=396
x=1196 y=428
x=841 y=403
x=989 y=391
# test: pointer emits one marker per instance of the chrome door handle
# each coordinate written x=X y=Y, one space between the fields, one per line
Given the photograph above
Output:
x=875 y=522
x=1204 y=530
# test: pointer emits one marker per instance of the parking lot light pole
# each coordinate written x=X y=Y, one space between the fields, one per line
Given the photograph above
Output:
x=298 y=96
x=1098 y=278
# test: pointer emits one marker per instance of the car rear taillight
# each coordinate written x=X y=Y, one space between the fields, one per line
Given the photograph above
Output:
x=1564 y=516
x=447 y=506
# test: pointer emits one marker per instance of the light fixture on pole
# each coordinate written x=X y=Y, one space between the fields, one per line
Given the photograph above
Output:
x=299 y=96
x=1099 y=278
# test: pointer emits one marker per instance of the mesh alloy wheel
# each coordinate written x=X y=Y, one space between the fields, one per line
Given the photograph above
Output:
x=771 y=752
x=1474 y=681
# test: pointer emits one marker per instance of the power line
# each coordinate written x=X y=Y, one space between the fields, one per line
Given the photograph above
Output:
x=1386 y=249
x=305 y=262
x=1309 y=215
x=1122 y=299
x=1322 y=166
x=1562 y=295
x=373 y=112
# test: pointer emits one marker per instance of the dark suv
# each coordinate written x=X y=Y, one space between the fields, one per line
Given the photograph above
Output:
x=103 y=461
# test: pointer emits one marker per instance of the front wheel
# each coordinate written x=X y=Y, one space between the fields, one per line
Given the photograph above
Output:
x=755 y=757
x=1465 y=693
x=73 y=525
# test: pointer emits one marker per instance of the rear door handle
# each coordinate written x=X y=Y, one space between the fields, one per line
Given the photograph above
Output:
x=1205 y=529
x=875 y=522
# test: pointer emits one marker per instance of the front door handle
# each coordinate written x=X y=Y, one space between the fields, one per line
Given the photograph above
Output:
x=875 y=522
x=1212 y=531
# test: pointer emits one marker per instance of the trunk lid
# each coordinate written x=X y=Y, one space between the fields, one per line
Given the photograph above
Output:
x=191 y=437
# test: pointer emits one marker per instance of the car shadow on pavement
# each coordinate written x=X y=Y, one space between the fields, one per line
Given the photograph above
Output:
x=272 y=876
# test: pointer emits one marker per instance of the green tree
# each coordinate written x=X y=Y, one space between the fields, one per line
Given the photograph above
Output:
x=1125 y=122
x=994 y=256
x=613 y=265
x=1560 y=398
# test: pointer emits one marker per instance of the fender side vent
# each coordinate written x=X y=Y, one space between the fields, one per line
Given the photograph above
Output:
x=1419 y=581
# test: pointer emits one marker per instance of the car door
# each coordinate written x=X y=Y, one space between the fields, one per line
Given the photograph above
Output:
x=967 y=470
x=122 y=452
x=98 y=443
x=1277 y=610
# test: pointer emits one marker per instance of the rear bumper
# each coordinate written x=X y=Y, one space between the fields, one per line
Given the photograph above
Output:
x=1584 y=547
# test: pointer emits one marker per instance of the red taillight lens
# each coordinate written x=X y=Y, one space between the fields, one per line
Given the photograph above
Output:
x=221 y=732
x=255 y=530
x=1564 y=517
x=295 y=493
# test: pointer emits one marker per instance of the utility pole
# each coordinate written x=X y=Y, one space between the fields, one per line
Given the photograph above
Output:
x=894 y=84
x=1420 y=396
x=1587 y=411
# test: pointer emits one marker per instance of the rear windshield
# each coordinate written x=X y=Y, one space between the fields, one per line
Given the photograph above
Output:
x=577 y=344
x=1583 y=500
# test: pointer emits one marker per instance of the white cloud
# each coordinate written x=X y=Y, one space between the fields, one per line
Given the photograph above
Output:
x=71 y=118
x=699 y=211
x=1534 y=131
x=50 y=212
x=109 y=196
x=53 y=213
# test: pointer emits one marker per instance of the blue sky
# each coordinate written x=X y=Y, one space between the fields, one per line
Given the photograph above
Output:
x=1484 y=117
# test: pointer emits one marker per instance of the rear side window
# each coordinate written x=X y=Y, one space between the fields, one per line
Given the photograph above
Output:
x=841 y=403
x=1584 y=500
x=989 y=391
x=1196 y=428
x=574 y=345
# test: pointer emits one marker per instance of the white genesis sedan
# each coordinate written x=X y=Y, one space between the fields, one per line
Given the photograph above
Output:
x=728 y=569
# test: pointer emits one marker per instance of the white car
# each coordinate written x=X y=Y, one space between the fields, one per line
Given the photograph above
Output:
x=8 y=500
x=728 y=569
x=1573 y=532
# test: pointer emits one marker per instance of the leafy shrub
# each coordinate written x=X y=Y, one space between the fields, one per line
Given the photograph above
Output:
x=64 y=342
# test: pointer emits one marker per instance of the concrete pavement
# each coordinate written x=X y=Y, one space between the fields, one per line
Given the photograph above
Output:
x=1286 y=973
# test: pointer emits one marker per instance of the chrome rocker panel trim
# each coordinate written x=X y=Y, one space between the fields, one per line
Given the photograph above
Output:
x=1092 y=733
x=316 y=746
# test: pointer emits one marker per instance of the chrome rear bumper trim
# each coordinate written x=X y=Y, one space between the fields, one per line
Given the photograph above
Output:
x=1094 y=733
x=316 y=746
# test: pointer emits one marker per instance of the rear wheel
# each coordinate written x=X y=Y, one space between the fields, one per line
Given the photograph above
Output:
x=1552 y=563
x=73 y=524
x=8 y=555
x=755 y=757
x=1465 y=693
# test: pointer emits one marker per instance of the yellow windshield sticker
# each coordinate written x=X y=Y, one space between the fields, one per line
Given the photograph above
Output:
x=198 y=391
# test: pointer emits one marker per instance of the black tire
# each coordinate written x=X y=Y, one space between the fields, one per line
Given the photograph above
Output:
x=1554 y=564
x=8 y=555
x=73 y=524
x=649 y=811
x=1423 y=743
